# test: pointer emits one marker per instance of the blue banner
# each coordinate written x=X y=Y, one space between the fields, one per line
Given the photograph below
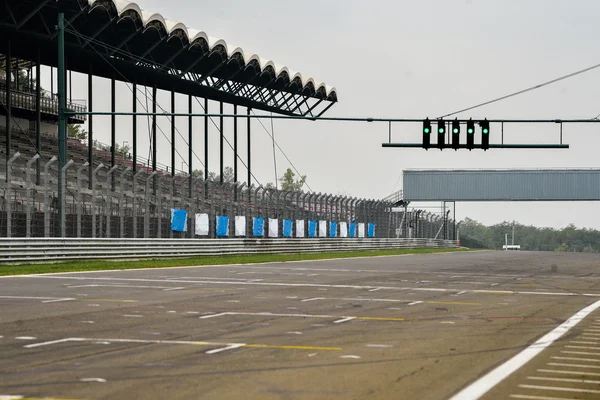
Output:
x=178 y=220
x=312 y=228
x=258 y=227
x=222 y=226
x=333 y=229
x=287 y=227
x=371 y=230
x=352 y=229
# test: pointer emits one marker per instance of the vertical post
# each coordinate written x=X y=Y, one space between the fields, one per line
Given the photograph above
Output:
x=249 y=149
x=8 y=204
x=235 y=144
x=90 y=128
x=206 y=140
x=134 y=128
x=38 y=116
x=153 y=136
x=172 y=134
x=113 y=130
x=62 y=122
x=63 y=225
x=8 y=70
x=190 y=147
x=221 y=143
x=30 y=195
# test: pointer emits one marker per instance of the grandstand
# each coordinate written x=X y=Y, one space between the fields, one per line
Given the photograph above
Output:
x=121 y=195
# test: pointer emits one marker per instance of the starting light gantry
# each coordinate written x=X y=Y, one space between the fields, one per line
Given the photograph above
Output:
x=455 y=144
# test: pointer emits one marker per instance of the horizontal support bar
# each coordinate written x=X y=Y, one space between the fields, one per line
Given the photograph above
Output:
x=478 y=146
x=347 y=119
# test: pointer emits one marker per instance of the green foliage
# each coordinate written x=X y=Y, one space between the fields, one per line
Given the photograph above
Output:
x=289 y=183
x=77 y=132
x=570 y=239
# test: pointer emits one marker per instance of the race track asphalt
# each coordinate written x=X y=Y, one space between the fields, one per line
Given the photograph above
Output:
x=399 y=327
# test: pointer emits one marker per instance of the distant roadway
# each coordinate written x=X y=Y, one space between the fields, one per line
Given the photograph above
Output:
x=442 y=326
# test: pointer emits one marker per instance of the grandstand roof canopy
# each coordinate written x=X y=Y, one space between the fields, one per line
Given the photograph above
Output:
x=117 y=39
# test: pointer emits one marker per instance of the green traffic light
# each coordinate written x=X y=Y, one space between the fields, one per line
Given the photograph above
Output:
x=470 y=131
x=455 y=131
x=441 y=130
x=486 y=131
x=426 y=130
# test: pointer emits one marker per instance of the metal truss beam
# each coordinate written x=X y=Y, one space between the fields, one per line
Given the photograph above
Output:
x=31 y=14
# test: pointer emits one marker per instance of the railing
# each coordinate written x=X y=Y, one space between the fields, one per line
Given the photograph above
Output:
x=27 y=101
x=51 y=249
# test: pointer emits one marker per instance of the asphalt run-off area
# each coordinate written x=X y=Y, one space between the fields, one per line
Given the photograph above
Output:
x=490 y=325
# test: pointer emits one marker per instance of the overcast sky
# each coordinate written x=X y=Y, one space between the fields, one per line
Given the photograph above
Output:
x=412 y=59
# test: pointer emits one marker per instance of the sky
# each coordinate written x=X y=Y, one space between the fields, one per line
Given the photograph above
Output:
x=405 y=59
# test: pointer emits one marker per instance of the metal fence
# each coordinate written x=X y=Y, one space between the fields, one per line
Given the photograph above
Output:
x=117 y=203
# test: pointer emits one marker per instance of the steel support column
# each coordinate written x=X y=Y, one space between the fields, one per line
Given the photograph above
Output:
x=190 y=148
x=8 y=102
x=206 y=140
x=113 y=129
x=235 y=144
x=38 y=116
x=134 y=128
x=221 y=143
x=249 y=161
x=90 y=128
x=172 y=134
x=62 y=122
x=154 y=137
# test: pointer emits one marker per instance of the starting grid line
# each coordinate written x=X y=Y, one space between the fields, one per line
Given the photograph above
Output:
x=338 y=318
x=220 y=346
x=316 y=285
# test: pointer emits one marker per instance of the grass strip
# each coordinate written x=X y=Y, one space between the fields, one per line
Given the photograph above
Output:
x=98 y=265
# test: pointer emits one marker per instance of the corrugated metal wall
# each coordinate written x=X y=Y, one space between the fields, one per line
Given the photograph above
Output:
x=502 y=185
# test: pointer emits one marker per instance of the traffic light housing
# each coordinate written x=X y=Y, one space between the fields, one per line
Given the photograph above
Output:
x=485 y=134
x=455 y=135
x=441 y=132
x=426 y=134
x=470 y=134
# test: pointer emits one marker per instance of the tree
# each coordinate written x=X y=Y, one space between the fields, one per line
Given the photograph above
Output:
x=270 y=185
x=198 y=173
x=288 y=183
x=77 y=132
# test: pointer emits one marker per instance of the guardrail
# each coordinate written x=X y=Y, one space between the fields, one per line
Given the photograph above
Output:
x=58 y=249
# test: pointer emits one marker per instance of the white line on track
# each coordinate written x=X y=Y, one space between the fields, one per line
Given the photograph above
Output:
x=563 y=372
x=212 y=315
x=141 y=341
x=462 y=292
x=580 y=352
x=580 y=342
x=314 y=285
x=414 y=303
x=313 y=299
x=497 y=375
x=527 y=397
x=573 y=365
x=559 y=389
x=133 y=316
x=575 y=359
x=269 y=266
x=25 y=338
x=570 y=380
x=222 y=349
x=339 y=321
x=582 y=347
x=58 y=300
